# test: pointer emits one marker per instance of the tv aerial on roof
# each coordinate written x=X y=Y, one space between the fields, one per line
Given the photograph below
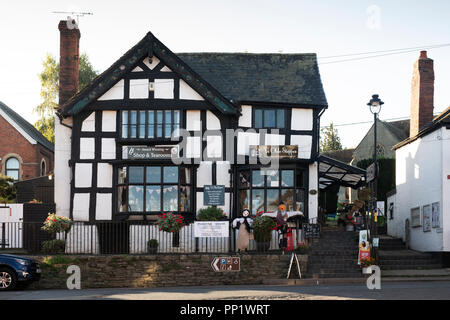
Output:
x=74 y=13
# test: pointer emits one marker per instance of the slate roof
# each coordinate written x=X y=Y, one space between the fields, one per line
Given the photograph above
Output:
x=344 y=156
x=27 y=127
x=399 y=128
x=267 y=77
x=220 y=77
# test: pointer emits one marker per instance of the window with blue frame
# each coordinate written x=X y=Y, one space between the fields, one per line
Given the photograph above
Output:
x=269 y=118
x=150 y=124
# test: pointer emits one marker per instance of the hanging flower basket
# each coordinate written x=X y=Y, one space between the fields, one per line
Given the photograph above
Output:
x=56 y=224
x=170 y=222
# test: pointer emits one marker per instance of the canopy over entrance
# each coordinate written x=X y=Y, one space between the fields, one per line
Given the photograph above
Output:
x=333 y=172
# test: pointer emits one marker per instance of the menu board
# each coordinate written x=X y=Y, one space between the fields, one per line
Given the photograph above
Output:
x=311 y=230
x=214 y=195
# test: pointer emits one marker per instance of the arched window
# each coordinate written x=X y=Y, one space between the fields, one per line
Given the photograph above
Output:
x=43 y=168
x=12 y=168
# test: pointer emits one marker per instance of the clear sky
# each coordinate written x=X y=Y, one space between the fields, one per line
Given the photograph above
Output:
x=28 y=30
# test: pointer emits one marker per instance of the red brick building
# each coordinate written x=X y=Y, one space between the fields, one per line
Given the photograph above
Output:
x=24 y=152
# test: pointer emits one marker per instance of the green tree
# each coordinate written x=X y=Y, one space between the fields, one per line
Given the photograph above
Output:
x=7 y=191
x=330 y=140
x=49 y=91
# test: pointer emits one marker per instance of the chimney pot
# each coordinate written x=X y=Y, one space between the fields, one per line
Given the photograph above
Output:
x=423 y=55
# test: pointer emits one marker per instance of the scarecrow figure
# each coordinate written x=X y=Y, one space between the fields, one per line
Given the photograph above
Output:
x=244 y=225
x=282 y=218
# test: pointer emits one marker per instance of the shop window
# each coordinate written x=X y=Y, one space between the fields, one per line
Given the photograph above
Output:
x=261 y=191
x=154 y=189
x=150 y=124
x=269 y=118
x=12 y=168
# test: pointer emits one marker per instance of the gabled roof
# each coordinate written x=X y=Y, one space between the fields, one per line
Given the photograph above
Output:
x=148 y=46
x=443 y=119
x=28 y=129
x=223 y=79
x=269 y=77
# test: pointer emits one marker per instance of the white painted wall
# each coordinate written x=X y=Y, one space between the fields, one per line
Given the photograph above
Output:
x=87 y=148
x=103 y=210
x=81 y=206
x=104 y=175
x=212 y=122
x=108 y=148
x=445 y=204
x=88 y=124
x=187 y=93
x=109 y=121
x=193 y=122
x=155 y=62
x=245 y=140
x=13 y=232
x=82 y=239
x=139 y=88
x=164 y=88
x=419 y=182
x=245 y=120
x=115 y=93
x=204 y=174
x=62 y=170
x=304 y=143
x=313 y=200
x=214 y=146
x=83 y=175
x=302 y=119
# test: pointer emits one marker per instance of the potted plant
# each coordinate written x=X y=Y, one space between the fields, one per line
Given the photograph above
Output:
x=350 y=222
x=56 y=224
x=211 y=214
x=152 y=246
x=302 y=248
x=262 y=231
x=367 y=262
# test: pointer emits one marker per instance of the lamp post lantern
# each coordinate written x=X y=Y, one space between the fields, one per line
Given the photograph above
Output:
x=375 y=107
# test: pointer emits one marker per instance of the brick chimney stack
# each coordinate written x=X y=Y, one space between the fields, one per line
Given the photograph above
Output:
x=68 y=60
x=422 y=93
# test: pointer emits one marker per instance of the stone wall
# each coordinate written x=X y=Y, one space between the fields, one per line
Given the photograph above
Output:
x=160 y=270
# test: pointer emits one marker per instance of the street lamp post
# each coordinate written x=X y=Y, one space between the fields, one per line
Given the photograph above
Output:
x=375 y=107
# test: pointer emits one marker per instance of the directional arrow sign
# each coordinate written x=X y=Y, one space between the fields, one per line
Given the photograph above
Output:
x=221 y=264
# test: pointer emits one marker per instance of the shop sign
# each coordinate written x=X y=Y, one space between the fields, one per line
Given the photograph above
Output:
x=211 y=229
x=364 y=246
x=281 y=152
x=150 y=153
x=370 y=172
x=214 y=195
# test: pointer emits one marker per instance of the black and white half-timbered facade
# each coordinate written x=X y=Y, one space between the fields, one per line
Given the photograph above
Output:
x=149 y=133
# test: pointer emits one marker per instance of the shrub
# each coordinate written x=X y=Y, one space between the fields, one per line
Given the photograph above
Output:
x=211 y=214
x=54 y=224
x=153 y=243
x=262 y=228
x=53 y=246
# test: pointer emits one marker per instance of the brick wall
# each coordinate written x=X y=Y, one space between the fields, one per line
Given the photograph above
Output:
x=13 y=142
x=161 y=270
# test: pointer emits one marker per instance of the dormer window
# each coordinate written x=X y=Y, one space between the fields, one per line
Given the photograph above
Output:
x=151 y=124
x=269 y=119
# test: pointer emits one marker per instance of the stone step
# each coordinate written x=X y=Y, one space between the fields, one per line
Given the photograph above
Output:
x=410 y=267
